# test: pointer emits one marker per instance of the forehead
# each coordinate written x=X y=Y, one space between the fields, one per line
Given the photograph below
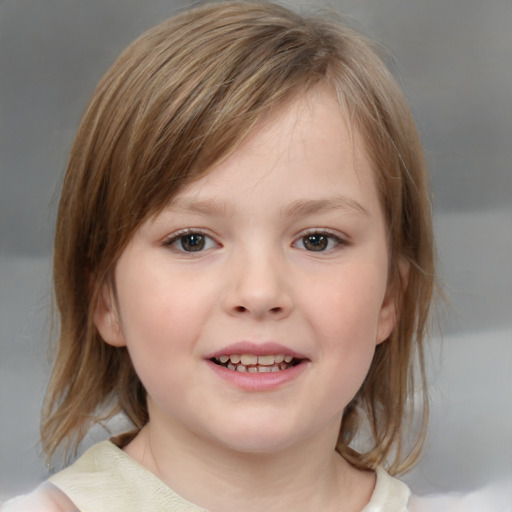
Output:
x=302 y=150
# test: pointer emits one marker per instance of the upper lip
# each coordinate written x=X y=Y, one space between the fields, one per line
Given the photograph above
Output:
x=257 y=349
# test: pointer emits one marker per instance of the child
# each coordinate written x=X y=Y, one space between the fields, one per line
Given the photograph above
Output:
x=244 y=267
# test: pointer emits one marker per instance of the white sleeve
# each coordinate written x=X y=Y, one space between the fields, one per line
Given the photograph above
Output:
x=45 y=498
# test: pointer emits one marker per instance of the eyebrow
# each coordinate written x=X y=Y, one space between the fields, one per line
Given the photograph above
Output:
x=299 y=207
x=202 y=207
x=312 y=206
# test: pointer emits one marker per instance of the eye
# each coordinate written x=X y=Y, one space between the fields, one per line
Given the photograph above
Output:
x=319 y=242
x=191 y=241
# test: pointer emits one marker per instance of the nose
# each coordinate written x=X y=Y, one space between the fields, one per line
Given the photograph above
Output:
x=258 y=287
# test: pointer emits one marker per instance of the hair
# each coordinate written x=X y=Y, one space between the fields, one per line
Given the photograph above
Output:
x=179 y=99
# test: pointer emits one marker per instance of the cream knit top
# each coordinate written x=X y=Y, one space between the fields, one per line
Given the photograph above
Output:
x=106 y=478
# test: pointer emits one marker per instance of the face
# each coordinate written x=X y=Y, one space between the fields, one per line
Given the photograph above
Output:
x=252 y=305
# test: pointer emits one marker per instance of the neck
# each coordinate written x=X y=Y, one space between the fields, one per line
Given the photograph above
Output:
x=309 y=475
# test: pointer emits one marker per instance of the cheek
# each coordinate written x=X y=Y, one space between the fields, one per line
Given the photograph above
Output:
x=148 y=313
x=158 y=336
x=162 y=315
x=346 y=305
x=344 y=318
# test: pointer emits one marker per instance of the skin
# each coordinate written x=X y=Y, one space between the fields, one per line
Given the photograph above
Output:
x=302 y=173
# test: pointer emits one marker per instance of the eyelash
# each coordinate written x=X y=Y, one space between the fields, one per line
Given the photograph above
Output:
x=180 y=236
x=205 y=241
x=329 y=236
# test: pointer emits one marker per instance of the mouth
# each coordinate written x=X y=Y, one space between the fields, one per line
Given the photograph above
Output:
x=251 y=363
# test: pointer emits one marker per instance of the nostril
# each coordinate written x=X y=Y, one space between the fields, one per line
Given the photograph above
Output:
x=243 y=309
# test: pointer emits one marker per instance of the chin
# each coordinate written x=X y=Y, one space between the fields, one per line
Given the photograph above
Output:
x=259 y=446
x=258 y=439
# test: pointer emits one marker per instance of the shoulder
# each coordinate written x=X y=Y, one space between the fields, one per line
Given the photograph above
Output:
x=45 y=498
x=389 y=494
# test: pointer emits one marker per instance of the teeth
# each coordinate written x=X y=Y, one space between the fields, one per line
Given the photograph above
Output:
x=266 y=360
x=258 y=369
x=256 y=364
x=249 y=359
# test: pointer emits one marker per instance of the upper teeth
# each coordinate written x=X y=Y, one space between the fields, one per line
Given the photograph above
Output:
x=251 y=359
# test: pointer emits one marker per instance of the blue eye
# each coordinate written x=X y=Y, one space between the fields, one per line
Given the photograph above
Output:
x=319 y=242
x=191 y=242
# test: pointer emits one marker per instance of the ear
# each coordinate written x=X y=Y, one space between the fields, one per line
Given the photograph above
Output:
x=388 y=315
x=106 y=318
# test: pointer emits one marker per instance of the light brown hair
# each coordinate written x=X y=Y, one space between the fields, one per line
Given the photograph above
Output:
x=180 y=98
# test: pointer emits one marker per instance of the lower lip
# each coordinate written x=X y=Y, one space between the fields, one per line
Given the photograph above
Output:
x=265 y=381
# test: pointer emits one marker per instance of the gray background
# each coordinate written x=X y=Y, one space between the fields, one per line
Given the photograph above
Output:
x=455 y=63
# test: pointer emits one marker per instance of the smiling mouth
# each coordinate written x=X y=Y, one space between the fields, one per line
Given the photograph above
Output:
x=251 y=363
